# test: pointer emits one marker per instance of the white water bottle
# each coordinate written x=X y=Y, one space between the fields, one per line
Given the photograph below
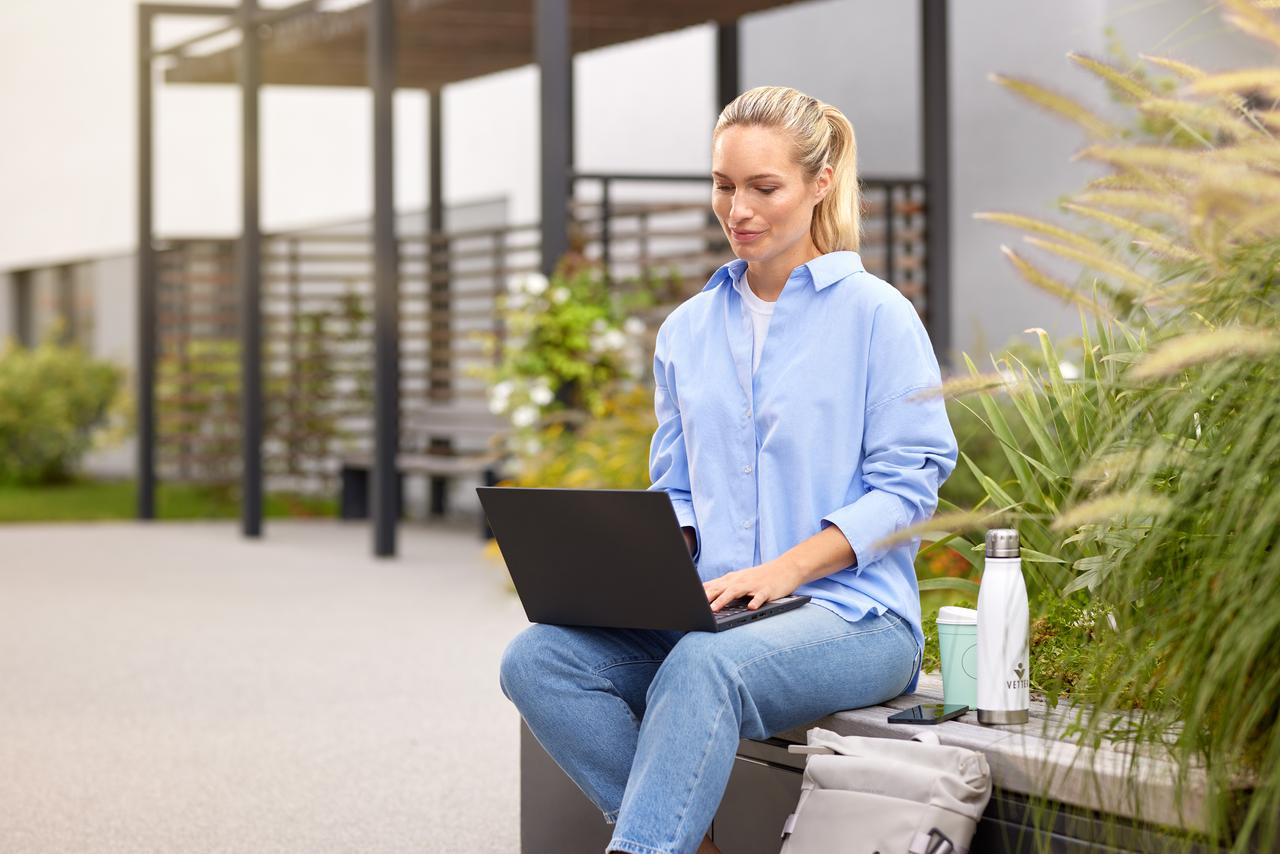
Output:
x=1003 y=655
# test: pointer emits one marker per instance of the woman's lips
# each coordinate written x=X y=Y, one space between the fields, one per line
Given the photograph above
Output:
x=745 y=236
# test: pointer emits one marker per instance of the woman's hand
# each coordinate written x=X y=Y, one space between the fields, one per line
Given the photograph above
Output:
x=764 y=583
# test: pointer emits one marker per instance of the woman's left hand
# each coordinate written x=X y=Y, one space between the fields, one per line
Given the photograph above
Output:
x=764 y=583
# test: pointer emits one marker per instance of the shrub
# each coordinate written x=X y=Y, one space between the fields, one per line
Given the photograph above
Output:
x=52 y=398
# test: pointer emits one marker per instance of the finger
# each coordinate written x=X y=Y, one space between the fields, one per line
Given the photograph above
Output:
x=723 y=599
x=757 y=600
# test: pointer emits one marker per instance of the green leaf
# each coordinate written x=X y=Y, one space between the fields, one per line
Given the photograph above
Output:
x=963 y=585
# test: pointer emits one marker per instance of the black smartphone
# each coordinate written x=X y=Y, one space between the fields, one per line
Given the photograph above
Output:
x=928 y=713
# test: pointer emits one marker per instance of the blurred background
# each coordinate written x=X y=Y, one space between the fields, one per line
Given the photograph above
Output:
x=387 y=250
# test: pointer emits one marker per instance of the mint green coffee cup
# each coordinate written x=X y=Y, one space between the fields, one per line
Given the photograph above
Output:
x=958 y=645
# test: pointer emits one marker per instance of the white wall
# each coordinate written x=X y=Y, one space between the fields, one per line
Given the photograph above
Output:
x=67 y=98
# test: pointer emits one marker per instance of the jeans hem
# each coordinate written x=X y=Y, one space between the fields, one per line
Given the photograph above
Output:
x=630 y=847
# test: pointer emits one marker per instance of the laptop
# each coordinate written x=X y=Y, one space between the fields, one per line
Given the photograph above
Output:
x=607 y=557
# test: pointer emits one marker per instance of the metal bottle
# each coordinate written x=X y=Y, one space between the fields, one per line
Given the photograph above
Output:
x=1003 y=654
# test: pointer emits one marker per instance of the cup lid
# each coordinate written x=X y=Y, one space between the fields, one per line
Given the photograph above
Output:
x=952 y=615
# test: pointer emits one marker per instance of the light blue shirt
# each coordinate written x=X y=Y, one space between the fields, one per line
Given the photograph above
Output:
x=827 y=431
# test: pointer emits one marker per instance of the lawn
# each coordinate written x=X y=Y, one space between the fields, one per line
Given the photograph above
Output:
x=85 y=500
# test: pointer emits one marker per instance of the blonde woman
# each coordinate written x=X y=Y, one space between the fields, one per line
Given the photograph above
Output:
x=790 y=441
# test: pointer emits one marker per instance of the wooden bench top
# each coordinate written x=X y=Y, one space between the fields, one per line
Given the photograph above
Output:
x=1034 y=760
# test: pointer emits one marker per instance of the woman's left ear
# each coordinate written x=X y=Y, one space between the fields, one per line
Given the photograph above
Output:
x=824 y=182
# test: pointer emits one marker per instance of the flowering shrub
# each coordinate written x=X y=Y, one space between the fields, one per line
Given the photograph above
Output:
x=566 y=341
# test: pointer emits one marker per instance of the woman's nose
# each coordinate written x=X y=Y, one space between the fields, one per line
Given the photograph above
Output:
x=738 y=210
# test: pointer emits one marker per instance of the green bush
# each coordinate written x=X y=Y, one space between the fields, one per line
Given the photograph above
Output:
x=52 y=398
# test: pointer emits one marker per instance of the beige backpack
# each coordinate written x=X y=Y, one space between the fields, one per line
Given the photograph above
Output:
x=886 y=795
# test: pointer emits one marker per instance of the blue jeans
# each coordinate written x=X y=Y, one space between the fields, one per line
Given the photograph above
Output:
x=647 y=722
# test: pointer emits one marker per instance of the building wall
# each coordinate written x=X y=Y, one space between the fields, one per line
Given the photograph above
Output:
x=647 y=106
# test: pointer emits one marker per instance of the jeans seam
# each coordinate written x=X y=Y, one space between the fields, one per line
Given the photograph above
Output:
x=635 y=847
x=697 y=776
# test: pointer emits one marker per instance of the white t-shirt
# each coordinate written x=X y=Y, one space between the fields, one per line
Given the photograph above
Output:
x=761 y=312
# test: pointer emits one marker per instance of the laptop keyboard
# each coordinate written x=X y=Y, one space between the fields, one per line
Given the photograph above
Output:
x=737 y=606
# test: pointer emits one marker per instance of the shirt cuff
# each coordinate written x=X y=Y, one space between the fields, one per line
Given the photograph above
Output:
x=866 y=521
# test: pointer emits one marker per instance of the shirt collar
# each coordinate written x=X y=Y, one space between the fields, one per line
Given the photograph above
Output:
x=823 y=271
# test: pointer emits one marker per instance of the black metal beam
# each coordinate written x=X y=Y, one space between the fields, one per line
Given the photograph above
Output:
x=728 y=75
x=439 y=386
x=551 y=49
x=250 y=276
x=386 y=283
x=935 y=126
x=146 y=375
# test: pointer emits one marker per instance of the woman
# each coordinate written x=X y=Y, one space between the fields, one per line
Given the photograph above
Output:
x=791 y=441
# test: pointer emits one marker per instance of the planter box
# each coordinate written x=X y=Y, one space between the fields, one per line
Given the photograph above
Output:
x=1064 y=813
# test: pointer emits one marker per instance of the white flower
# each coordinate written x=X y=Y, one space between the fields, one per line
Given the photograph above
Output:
x=559 y=295
x=500 y=397
x=524 y=416
x=535 y=284
x=541 y=395
x=1068 y=370
x=614 y=340
x=530 y=447
x=634 y=327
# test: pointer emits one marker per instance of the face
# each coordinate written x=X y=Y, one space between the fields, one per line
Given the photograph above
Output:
x=760 y=195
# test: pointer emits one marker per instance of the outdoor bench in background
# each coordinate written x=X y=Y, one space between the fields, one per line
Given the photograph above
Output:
x=1026 y=762
x=442 y=442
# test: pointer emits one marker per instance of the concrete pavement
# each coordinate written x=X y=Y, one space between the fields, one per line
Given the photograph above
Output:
x=172 y=687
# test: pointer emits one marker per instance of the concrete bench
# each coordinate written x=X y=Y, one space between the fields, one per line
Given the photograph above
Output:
x=1049 y=794
x=433 y=442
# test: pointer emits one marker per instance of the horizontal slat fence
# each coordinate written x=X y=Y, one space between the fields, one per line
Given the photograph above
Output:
x=317 y=308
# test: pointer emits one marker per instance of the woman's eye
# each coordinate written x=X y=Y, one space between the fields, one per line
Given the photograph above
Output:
x=722 y=187
x=767 y=190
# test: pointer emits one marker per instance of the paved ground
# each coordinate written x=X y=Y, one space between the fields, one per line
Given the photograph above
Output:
x=174 y=688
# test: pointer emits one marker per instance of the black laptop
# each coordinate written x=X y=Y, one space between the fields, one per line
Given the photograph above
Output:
x=606 y=557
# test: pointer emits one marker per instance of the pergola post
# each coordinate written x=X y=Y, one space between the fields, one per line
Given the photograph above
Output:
x=935 y=127
x=386 y=372
x=728 y=80
x=250 y=277
x=552 y=52
x=439 y=303
x=146 y=375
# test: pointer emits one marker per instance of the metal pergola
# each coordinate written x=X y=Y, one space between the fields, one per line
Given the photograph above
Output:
x=427 y=44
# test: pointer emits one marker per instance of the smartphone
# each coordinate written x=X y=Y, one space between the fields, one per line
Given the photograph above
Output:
x=928 y=713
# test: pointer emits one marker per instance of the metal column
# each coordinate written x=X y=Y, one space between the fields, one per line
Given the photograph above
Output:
x=146 y=377
x=250 y=277
x=728 y=79
x=146 y=258
x=935 y=126
x=555 y=62
x=386 y=369
x=439 y=284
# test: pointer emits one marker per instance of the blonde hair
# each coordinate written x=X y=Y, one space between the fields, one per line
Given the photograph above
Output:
x=822 y=136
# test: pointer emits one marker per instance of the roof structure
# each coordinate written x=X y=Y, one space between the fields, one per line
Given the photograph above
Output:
x=444 y=41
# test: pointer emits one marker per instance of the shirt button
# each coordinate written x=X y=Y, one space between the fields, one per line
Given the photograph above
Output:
x=746 y=469
x=746 y=524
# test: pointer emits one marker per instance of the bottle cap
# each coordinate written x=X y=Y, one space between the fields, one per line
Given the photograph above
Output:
x=1002 y=542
